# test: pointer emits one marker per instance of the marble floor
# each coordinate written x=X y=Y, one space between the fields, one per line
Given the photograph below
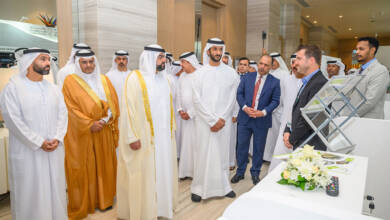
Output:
x=209 y=209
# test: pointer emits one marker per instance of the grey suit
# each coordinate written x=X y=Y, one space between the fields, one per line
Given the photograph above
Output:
x=374 y=87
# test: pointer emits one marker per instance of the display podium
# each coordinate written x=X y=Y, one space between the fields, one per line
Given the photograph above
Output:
x=332 y=101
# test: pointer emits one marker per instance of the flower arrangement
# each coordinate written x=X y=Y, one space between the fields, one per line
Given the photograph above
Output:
x=305 y=169
x=48 y=21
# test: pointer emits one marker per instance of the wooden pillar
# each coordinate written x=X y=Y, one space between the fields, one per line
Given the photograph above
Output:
x=65 y=30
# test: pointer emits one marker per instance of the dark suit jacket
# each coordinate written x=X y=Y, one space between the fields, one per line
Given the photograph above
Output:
x=268 y=100
x=301 y=130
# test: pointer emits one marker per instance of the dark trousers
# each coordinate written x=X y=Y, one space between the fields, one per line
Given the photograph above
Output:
x=244 y=133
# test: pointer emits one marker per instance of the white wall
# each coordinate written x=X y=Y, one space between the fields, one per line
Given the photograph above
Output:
x=383 y=56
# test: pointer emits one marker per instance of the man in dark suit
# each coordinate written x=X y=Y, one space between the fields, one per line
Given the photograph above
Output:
x=257 y=95
x=308 y=69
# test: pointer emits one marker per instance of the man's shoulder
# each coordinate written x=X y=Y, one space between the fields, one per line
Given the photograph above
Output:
x=377 y=67
x=319 y=78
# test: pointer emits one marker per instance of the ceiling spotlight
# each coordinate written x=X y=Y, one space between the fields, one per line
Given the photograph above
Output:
x=314 y=22
x=307 y=16
x=340 y=16
x=350 y=29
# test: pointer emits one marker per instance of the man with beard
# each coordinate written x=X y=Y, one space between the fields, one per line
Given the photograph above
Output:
x=70 y=67
x=258 y=95
x=308 y=59
x=91 y=139
x=214 y=93
x=227 y=59
x=119 y=71
x=288 y=91
x=280 y=71
x=376 y=80
x=335 y=67
x=147 y=167
x=35 y=114
x=185 y=108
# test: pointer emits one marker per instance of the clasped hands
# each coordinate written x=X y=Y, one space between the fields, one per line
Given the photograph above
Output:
x=253 y=113
x=50 y=145
x=97 y=126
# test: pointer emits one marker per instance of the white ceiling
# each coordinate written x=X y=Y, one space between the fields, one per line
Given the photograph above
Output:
x=365 y=17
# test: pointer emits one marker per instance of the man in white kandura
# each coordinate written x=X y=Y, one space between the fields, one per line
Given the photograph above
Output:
x=35 y=114
x=214 y=96
x=289 y=90
x=227 y=59
x=280 y=71
x=119 y=71
x=253 y=66
x=335 y=67
x=70 y=66
x=173 y=71
x=147 y=183
x=185 y=108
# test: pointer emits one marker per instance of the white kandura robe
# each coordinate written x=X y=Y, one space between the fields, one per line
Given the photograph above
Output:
x=291 y=85
x=173 y=81
x=233 y=138
x=34 y=112
x=159 y=99
x=273 y=132
x=118 y=79
x=185 y=103
x=214 y=96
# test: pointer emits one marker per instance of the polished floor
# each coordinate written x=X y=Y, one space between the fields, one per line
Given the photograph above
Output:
x=187 y=210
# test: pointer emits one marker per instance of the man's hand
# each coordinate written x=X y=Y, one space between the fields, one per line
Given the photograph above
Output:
x=50 y=146
x=97 y=126
x=46 y=146
x=135 y=145
x=250 y=111
x=286 y=141
x=234 y=119
x=258 y=114
x=218 y=126
x=184 y=115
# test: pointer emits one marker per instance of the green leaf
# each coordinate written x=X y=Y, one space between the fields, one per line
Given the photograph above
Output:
x=312 y=186
x=290 y=181
x=349 y=159
x=283 y=182
x=301 y=179
x=302 y=186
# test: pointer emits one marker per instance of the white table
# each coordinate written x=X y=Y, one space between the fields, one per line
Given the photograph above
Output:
x=4 y=188
x=270 y=200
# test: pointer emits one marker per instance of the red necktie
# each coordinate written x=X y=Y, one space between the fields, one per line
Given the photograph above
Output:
x=255 y=92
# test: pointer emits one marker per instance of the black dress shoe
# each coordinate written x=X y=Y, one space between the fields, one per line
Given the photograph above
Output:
x=195 y=198
x=255 y=180
x=232 y=194
x=236 y=178
x=108 y=208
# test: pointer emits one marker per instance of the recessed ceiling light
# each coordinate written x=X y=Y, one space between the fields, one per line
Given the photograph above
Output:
x=314 y=22
x=350 y=29
x=307 y=16
x=340 y=16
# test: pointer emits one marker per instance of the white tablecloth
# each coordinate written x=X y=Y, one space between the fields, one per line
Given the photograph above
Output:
x=270 y=200
x=3 y=161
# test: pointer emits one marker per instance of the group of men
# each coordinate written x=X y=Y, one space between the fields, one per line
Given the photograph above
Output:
x=77 y=146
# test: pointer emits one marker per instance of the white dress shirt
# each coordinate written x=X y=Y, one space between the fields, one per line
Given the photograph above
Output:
x=263 y=78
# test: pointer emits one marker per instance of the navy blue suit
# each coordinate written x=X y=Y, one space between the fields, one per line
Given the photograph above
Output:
x=268 y=101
